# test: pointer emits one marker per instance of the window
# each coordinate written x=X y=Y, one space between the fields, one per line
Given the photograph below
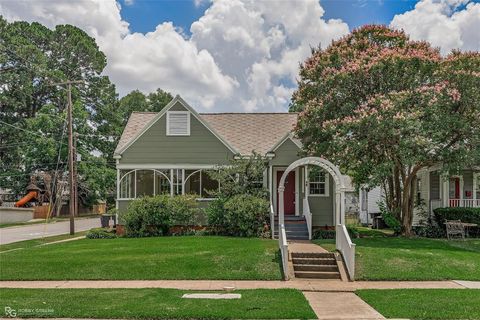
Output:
x=148 y=182
x=318 y=182
x=364 y=199
x=419 y=192
x=477 y=185
x=162 y=182
x=127 y=184
x=199 y=182
x=178 y=123
x=144 y=180
x=177 y=181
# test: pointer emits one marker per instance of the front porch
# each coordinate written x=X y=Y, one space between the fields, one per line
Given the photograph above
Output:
x=461 y=190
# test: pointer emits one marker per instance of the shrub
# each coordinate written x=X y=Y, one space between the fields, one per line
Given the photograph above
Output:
x=101 y=233
x=323 y=234
x=154 y=216
x=471 y=215
x=241 y=215
x=330 y=234
x=147 y=216
x=429 y=231
x=389 y=218
x=183 y=209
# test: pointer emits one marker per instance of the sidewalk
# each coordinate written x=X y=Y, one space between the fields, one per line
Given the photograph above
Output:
x=303 y=285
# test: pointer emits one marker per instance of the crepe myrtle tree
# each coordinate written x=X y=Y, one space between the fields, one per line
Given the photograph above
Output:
x=383 y=107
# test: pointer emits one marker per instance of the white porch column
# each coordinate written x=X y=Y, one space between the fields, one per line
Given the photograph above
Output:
x=281 y=217
x=445 y=185
x=337 y=208
x=342 y=207
x=270 y=183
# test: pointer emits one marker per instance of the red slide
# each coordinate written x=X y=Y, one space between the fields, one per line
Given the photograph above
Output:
x=30 y=195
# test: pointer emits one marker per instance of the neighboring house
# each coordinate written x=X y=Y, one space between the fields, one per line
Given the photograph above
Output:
x=168 y=152
x=369 y=204
x=433 y=191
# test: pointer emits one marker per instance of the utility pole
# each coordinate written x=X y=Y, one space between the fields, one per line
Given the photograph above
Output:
x=71 y=154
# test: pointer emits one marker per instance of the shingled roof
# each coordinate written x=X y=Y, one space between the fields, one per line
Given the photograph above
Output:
x=246 y=132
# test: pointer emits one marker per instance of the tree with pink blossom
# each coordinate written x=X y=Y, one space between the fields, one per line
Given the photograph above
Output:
x=383 y=107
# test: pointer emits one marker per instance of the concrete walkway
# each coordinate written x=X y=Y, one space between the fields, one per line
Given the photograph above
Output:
x=303 y=285
x=35 y=231
x=340 y=306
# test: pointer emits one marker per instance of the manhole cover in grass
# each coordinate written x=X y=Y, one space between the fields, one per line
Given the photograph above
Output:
x=227 y=296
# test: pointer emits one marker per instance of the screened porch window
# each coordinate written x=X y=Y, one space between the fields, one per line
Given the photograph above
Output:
x=318 y=182
x=149 y=182
x=199 y=182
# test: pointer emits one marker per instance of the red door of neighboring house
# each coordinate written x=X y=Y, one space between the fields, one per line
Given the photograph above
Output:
x=289 y=193
x=454 y=192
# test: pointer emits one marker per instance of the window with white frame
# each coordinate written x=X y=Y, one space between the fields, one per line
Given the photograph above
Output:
x=318 y=182
x=477 y=185
x=178 y=123
x=135 y=183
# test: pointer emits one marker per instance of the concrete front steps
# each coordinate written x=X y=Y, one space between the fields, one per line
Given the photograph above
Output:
x=295 y=228
x=315 y=265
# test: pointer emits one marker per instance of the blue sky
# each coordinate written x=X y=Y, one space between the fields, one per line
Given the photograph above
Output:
x=240 y=55
x=145 y=15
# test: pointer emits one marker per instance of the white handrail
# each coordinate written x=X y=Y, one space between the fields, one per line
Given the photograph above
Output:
x=272 y=221
x=282 y=243
x=308 y=217
x=464 y=203
x=347 y=248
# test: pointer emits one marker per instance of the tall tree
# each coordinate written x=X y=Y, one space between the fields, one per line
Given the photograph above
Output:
x=384 y=107
x=32 y=109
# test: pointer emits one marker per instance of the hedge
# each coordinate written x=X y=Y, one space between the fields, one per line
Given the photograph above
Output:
x=470 y=215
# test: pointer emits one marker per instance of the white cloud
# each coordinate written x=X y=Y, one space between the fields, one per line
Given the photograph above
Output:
x=448 y=24
x=242 y=55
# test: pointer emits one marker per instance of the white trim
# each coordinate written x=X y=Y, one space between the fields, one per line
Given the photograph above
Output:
x=167 y=131
x=275 y=191
x=297 y=192
x=327 y=186
x=286 y=137
x=167 y=166
x=162 y=112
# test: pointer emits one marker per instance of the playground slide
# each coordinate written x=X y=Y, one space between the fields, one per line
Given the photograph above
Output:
x=30 y=195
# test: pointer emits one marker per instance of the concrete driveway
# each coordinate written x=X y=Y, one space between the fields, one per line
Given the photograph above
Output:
x=35 y=231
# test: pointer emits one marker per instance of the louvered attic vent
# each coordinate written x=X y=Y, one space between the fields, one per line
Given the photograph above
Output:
x=178 y=123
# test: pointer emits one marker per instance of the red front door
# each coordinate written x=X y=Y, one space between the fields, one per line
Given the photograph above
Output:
x=289 y=193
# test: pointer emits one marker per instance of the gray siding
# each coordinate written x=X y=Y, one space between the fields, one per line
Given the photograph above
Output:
x=322 y=208
x=155 y=147
x=286 y=154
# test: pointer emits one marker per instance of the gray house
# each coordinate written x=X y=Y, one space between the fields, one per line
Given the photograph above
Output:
x=168 y=153
x=433 y=191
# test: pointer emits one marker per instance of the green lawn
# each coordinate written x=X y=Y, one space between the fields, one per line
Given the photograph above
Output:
x=395 y=258
x=424 y=303
x=154 y=304
x=146 y=258
x=39 y=241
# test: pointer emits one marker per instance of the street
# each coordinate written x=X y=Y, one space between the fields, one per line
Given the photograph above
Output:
x=35 y=231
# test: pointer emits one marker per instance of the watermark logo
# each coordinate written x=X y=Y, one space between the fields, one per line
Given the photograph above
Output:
x=10 y=312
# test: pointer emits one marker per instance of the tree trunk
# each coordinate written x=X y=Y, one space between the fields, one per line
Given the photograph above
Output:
x=408 y=198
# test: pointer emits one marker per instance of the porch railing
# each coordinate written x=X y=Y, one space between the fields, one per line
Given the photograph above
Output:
x=272 y=221
x=308 y=217
x=347 y=248
x=282 y=243
x=464 y=203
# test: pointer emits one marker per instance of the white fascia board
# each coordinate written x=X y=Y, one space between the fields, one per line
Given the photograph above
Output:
x=286 y=137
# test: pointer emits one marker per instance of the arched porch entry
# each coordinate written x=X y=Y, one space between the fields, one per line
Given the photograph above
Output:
x=337 y=178
x=343 y=242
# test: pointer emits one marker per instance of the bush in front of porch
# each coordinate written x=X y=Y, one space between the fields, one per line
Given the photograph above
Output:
x=241 y=215
x=155 y=216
